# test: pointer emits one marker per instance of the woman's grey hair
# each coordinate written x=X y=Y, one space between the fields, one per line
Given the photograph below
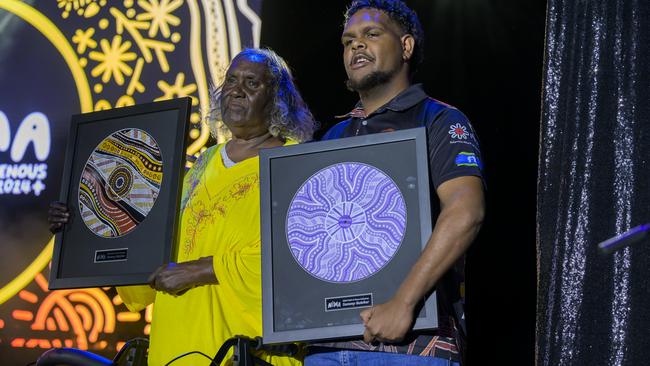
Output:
x=288 y=116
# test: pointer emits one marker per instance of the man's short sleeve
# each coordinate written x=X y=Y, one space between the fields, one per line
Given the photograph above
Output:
x=336 y=132
x=453 y=147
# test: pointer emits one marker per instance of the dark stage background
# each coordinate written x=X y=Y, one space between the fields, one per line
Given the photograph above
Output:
x=593 y=184
x=484 y=57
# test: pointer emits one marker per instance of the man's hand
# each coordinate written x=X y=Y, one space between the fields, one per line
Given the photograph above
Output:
x=388 y=322
x=461 y=215
x=57 y=216
x=176 y=278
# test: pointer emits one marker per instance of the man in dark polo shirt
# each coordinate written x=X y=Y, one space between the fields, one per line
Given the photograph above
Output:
x=382 y=46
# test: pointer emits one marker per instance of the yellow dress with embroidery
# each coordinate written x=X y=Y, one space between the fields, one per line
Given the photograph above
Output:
x=220 y=217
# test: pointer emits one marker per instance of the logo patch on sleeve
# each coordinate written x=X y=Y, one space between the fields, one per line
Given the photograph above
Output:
x=458 y=131
x=465 y=158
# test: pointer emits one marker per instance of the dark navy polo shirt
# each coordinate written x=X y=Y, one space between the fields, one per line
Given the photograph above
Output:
x=453 y=150
x=452 y=143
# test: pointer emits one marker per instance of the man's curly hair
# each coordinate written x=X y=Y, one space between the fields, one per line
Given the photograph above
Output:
x=288 y=115
x=401 y=14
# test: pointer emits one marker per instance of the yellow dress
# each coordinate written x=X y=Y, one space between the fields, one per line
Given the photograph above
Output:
x=220 y=217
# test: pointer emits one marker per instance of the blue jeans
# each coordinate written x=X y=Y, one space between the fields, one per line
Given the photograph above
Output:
x=363 y=358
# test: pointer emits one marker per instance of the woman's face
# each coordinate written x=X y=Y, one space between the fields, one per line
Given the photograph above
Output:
x=245 y=97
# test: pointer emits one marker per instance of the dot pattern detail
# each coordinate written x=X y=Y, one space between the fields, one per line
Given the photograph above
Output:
x=346 y=222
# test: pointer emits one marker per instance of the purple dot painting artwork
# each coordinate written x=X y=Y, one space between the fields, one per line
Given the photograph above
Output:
x=346 y=222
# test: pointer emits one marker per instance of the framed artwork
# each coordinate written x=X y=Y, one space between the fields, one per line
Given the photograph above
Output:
x=343 y=221
x=122 y=182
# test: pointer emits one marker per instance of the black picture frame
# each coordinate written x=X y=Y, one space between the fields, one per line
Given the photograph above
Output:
x=296 y=305
x=82 y=258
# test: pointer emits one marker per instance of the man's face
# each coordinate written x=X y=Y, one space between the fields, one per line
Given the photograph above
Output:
x=245 y=94
x=372 y=49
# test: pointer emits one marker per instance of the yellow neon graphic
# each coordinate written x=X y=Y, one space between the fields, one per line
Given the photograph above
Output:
x=39 y=21
x=218 y=55
x=112 y=60
x=233 y=27
x=23 y=279
x=45 y=26
x=196 y=58
x=253 y=18
x=121 y=57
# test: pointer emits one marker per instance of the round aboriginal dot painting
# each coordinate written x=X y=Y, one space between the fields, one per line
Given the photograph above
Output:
x=346 y=222
x=120 y=183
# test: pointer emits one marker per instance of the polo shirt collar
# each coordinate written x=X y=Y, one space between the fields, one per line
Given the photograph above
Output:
x=411 y=96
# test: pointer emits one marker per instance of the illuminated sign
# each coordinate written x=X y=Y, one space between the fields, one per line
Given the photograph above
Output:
x=21 y=177
x=65 y=57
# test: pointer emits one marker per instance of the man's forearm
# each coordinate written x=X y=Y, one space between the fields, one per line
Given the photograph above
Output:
x=460 y=219
x=454 y=231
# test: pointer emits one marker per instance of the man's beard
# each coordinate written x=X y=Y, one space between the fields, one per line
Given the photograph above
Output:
x=370 y=81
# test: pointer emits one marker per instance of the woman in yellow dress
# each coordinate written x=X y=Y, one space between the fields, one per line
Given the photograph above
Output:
x=213 y=291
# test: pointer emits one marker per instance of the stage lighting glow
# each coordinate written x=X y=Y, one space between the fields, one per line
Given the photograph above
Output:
x=65 y=57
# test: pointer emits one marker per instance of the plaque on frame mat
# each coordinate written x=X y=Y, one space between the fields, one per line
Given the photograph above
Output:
x=121 y=182
x=343 y=222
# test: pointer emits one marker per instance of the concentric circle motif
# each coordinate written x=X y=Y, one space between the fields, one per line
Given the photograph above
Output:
x=120 y=183
x=346 y=222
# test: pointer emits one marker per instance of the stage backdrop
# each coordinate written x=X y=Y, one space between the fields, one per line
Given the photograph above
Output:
x=593 y=184
x=62 y=57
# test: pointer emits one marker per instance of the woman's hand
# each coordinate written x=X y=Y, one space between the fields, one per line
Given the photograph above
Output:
x=57 y=216
x=176 y=278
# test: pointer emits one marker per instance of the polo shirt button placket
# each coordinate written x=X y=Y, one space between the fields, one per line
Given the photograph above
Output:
x=363 y=123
